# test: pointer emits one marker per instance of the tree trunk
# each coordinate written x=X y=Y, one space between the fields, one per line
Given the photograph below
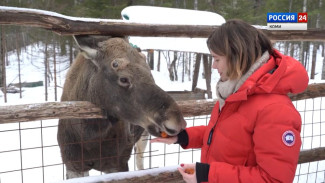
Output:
x=18 y=59
x=170 y=67
x=3 y=59
x=158 y=63
x=55 y=81
x=189 y=66
x=195 y=4
x=174 y=65
x=196 y=70
x=313 y=61
x=151 y=59
x=292 y=49
x=323 y=70
x=183 y=67
x=45 y=70
x=301 y=54
x=290 y=5
x=71 y=51
x=302 y=50
x=318 y=15
x=306 y=54
x=207 y=71
x=286 y=48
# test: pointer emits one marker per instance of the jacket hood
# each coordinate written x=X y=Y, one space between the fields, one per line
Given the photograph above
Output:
x=280 y=75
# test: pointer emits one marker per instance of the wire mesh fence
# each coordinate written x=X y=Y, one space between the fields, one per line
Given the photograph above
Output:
x=29 y=151
x=312 y=113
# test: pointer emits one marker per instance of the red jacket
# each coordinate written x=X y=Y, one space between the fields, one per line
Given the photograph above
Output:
x=256 y=137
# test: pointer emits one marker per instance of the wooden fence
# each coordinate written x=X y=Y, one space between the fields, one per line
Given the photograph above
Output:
x=65 y=25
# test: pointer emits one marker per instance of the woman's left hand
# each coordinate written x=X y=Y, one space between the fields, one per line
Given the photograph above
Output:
x=188 y=178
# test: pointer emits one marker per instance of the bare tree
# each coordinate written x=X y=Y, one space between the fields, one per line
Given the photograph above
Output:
x=158 y=62
x=46 y=69
x=3 y=59
x=301 y=57
x=71 y=56
x=171 y=68
x=183 y=67
x=151 y=58
x=55 y=82
x=196 y=70
x=207 y=73
x=18 y=60
x=195 y=5
x=189 y=66
x=315 y=46
x=313 y=62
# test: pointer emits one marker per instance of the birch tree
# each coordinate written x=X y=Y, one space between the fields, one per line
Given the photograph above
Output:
x=301 y=57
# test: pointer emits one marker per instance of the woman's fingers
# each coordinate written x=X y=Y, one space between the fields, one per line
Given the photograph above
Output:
x=188 y=172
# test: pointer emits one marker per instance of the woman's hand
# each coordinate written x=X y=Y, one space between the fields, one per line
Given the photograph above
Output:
x=168 y=140
x=185 y=171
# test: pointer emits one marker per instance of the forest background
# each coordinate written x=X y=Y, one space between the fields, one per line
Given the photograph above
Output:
x=252 y=11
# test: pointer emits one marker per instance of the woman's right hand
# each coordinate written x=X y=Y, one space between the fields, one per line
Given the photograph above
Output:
x=168 y=140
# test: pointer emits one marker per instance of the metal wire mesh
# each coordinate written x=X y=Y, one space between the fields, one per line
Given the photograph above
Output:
x=29 y=151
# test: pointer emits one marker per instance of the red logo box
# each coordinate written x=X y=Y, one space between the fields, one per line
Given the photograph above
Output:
x=302 y=18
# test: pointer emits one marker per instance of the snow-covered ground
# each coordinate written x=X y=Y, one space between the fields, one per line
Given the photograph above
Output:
x=38 y=139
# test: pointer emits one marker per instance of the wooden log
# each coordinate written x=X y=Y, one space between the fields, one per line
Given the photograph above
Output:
x=164 y=177
x=186 y=95
x=312 y=91
x=49 y=110
x=28 y=84
x=67 y=25
x=169 y=175
x=316 y=154
x=157 y=175
x=84 y=109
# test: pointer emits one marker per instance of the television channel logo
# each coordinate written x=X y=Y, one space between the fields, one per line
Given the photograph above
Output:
x=287 y=21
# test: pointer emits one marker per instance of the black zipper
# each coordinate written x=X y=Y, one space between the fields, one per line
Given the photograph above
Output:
x=211 y=133
x=212 y=129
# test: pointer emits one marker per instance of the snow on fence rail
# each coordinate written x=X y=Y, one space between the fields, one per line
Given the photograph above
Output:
x=67 y=25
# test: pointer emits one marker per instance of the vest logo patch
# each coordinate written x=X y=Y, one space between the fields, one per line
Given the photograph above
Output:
x=288 y=138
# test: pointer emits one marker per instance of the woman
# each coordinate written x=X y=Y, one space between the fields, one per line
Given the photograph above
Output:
x=254 y=130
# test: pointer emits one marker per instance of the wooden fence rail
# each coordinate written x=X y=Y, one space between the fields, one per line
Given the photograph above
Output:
x=67 y=25
x=163 y=175
x=84 y=109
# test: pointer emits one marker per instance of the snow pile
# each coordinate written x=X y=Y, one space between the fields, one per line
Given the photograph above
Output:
x=171 y=16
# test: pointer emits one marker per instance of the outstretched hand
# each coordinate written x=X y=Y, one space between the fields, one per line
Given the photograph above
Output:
x=188 y=172
x=168 y=140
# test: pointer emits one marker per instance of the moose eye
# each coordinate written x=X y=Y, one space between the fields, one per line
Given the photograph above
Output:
x=115 y=64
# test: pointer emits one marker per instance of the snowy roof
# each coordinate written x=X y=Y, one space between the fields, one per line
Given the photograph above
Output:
x=171 y=16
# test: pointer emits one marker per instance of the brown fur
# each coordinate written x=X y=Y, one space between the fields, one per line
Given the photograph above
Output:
x=132 y=106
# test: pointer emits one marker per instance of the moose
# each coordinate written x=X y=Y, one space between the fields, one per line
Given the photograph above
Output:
x=114 y=76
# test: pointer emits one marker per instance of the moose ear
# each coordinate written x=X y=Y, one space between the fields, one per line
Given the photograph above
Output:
x=88 y=44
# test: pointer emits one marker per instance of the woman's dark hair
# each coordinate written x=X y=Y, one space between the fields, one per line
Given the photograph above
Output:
x=241 y=43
